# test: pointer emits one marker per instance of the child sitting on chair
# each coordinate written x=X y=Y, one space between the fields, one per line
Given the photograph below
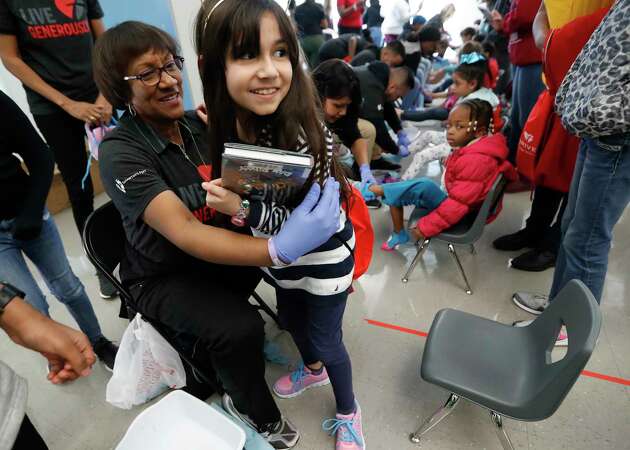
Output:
x=468 y=84
x=475 y=162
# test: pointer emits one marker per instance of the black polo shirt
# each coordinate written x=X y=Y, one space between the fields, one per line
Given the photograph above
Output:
x=136 y=165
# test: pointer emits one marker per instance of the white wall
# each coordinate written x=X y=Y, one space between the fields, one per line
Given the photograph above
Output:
x=184 y=13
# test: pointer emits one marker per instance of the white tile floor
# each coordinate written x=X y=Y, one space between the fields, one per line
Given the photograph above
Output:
x=595 y=414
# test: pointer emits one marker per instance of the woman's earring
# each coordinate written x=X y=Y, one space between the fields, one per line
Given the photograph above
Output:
x=131 y=110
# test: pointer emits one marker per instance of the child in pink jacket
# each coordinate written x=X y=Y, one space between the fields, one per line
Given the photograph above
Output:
x=471 y=169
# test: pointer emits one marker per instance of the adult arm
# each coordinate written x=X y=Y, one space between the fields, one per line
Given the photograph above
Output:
x=391 y=117
x=323 y=20
x=18 y=130
x=541 y=27
x=68 y=351
x=12 y=60
x=360 y=152
x=167 y=215
x=383 y=139
x=98 y=28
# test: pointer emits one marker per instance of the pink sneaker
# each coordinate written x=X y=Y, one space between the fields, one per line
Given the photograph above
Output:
x=348 y=430
x=296 y=382
x=563 y=339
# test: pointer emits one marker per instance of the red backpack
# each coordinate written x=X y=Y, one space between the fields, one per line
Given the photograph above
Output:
x=358 y=213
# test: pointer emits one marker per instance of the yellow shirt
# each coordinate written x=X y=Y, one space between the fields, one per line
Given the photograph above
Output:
x=561 y=12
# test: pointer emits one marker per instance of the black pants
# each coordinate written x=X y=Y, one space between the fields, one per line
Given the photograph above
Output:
x=348 y=30
x=28 y=438
x=211 y=303
x=65 y=136
x=548 y=205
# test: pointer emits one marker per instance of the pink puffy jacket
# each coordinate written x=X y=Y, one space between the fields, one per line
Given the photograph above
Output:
x=470 y=173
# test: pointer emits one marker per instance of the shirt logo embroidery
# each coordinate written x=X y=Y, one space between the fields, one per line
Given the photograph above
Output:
x=121 y=184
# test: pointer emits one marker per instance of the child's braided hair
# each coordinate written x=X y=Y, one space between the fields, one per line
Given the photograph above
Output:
x=480 y=115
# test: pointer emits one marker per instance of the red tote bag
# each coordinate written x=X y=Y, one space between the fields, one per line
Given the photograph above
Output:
x=534 y=135
x=359 y=215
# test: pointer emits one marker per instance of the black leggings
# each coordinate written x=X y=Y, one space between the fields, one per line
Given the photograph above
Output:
x=211 y=303
x=315 y=323
x=28 y=438
x=65 y=136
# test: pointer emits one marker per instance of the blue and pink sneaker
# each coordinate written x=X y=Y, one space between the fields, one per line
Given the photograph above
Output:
x=294 y=383
x=394 y=240
x=347 y=429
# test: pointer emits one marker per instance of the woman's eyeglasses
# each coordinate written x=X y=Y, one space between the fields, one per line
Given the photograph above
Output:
x=153 y=76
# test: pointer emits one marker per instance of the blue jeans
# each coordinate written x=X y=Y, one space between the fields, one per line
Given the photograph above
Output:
x=421 y=192
x=47 y=253
x=377 y=36
x=600 y=191
x=414 y=100
x=526 y=87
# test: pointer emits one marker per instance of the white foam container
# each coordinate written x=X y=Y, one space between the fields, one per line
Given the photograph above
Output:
x=181 y=421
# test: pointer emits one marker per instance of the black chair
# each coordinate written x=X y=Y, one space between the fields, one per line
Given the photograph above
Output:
x=466 y=232
x=509 y=370
x=104 y=242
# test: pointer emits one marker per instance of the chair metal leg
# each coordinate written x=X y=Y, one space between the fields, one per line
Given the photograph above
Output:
x=416 y=258
x=453 y=253
x=436 y=418
x=497 y=420
x=264 y=307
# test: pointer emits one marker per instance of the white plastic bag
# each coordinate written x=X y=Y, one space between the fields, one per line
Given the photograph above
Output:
x=146 y=366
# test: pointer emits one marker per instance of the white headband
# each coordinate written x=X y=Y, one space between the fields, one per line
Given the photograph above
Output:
x=210 y=14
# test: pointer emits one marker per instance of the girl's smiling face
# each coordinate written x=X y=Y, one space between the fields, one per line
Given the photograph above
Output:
x=259 y=82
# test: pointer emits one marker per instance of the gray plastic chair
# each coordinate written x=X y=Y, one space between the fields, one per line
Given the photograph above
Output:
x=508 y=370
x=466 y=232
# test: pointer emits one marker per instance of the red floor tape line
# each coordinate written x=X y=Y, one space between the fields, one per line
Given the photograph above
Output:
x=586 y=373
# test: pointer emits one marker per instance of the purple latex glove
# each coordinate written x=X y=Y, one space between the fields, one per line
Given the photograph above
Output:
x=403 y=143
x=366 y=175
x=311 y=224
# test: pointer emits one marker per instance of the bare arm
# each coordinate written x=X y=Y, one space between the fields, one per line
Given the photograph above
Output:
x=541 y=28
x=360 y=151
x=98 y=28
x=68 y=351
x=12 y=60
x=167 y=215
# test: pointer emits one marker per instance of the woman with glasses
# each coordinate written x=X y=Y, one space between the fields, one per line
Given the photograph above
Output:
x=47 y=45
x=187 y=266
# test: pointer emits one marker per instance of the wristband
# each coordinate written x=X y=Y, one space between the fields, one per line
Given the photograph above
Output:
x=8 y=293
x=273 y=254
x=243 y=211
